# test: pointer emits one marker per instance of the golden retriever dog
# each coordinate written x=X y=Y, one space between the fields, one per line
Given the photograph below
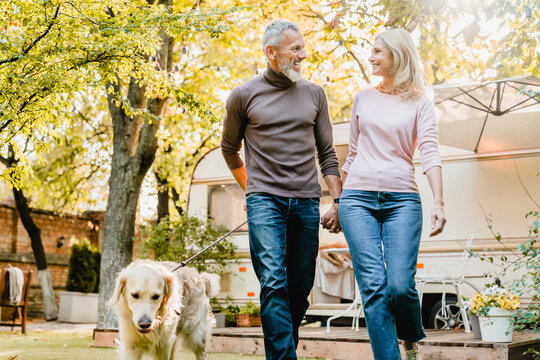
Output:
x=155 y=306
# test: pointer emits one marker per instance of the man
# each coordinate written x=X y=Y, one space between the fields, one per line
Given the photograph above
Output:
x=282 y=120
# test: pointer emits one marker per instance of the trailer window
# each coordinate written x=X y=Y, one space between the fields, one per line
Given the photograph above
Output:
x=226 y=206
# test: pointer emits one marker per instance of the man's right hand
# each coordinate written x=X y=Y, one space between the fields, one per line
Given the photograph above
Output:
x=330 y=220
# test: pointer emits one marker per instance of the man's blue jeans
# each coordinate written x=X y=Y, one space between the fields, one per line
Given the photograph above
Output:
x=383 y=231
x=284 y=240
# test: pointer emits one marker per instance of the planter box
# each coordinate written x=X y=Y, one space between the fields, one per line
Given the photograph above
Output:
x=77 y=307
x=247 y=320
x=106 y=338
x=220 y=320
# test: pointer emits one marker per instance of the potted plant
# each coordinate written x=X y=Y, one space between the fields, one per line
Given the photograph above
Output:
x=79 y=304
x=495 y=308
x=230 y=312
x=249 y=315
x=525 y=259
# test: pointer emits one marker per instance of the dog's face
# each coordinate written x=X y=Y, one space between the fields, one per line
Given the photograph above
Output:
x=145 y=291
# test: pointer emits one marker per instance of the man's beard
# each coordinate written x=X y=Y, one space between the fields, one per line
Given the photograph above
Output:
x=288 y=71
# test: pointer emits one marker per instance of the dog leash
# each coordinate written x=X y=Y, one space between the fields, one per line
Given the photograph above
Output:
x=184 y=263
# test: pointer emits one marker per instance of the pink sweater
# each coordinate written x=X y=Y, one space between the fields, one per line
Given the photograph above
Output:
x=384 y=133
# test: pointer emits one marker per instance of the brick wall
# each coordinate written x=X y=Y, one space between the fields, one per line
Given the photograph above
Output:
x=16 y=248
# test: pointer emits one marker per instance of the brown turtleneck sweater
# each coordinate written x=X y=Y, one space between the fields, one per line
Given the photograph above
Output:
x=283 y=125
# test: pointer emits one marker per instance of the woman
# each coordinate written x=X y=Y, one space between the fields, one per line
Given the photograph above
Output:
x=380 y=210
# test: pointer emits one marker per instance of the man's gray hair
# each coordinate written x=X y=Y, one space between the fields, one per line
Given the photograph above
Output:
x=272 y=33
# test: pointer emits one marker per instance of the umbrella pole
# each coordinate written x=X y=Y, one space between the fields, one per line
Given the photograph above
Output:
x=485 y=119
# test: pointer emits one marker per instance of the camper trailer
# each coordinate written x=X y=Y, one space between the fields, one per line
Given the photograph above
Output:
x=490 y=177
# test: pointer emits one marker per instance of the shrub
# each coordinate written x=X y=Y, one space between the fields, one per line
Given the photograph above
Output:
x=83 y=267
x=178 y=240
x=250 y=309
x=230 y=312
x=527 y=257
x=529 y=284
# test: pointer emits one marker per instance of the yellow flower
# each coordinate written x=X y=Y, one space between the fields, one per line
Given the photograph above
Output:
x=515 y=304
x=501 y=299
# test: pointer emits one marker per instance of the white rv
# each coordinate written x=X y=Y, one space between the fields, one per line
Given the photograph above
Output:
x=495 y=178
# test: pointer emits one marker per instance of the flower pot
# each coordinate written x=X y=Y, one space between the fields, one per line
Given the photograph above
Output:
x=230 y=320
x=497 y=325
x=242 y=320
x=77 y=307
x=475 y=325
x=220 y=320
x=254 y=320
x=248 y=320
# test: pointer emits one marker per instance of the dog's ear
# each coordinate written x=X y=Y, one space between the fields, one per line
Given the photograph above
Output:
x=118 y=289
x=169 y=287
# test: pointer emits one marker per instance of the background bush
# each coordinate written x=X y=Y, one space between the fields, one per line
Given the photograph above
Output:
x=83 y=267
x=525 y=257
x=250 y=308
x=528 y=317
x=177 y=240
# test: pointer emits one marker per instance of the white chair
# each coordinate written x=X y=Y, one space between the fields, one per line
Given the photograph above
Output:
x=438 y=276
x=355 y=306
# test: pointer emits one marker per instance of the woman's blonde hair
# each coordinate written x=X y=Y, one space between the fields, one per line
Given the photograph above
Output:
x=411 y=80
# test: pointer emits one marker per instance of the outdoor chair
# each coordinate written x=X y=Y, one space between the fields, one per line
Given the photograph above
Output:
x=357 y=309
x=355 y=306
x=20 y=308
x=438 y=276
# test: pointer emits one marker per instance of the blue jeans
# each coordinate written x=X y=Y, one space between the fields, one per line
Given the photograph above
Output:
x=284 y=240
x=383 y=232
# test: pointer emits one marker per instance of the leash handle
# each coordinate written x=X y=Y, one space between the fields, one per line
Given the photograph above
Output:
x=184 y=263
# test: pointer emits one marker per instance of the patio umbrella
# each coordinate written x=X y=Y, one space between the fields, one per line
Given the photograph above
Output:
x=495 y=116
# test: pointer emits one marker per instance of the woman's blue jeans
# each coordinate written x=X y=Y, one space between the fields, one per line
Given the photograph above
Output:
x=284 y=241
x=383 y=231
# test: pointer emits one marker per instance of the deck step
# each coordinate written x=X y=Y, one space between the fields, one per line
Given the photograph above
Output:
x=346 y=344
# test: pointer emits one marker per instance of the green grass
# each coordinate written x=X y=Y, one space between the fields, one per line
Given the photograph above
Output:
x=53 y=345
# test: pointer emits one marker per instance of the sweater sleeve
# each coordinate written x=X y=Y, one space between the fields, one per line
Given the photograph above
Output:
x=324 y=138
x=426 y=134
x=234 y=127
x=353 y=137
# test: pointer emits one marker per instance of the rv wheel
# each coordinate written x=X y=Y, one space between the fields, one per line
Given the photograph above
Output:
x=449 y=319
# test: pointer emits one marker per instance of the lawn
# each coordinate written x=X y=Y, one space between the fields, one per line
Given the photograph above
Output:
x=53 y=345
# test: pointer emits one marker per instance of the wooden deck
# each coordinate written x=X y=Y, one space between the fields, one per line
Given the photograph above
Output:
x=346 y=344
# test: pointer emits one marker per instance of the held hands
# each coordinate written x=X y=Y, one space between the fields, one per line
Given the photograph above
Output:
x=438 y=220
x=330 y=220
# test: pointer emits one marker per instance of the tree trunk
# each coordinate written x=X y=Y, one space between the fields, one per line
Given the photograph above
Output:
x=176 y=200
x=163 y=190
x=163 y=197
x=117 y=248
x=134 y=149
x=44 y=276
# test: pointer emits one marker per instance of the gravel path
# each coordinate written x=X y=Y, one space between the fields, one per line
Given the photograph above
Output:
x=52 y=326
